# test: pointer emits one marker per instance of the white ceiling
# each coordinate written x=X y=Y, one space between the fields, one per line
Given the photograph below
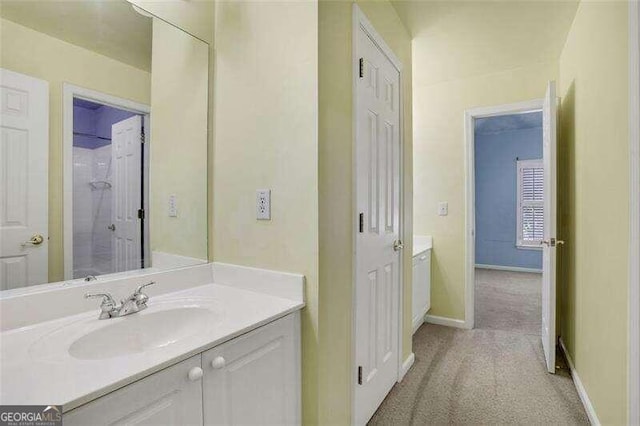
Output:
x=108 y=27
x=457 y=39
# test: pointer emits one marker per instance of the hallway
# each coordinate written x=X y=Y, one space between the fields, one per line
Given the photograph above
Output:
x=492 y=374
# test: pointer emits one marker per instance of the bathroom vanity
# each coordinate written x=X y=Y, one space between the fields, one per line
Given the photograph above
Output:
x=218 y=344
x=421 y=291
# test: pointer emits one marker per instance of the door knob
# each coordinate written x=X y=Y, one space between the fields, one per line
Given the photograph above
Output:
x=195 y=373
x=35 y=240
x=218 y=362
x=397 y=245
x=112 y=227
x=552 y=242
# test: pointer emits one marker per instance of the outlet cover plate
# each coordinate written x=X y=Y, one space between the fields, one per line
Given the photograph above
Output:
x=263 y=204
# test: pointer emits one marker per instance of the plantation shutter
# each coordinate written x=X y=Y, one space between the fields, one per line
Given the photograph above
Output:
x=530 y=202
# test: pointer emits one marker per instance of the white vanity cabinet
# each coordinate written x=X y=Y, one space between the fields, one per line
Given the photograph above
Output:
x=253 y=379
x=421 y=291
x=168 y=397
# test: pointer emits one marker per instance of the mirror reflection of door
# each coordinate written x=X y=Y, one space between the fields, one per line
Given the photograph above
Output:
x=107 y=189
x=24 y=182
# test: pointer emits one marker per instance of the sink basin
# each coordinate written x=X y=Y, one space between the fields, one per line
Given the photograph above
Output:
x=161 y=325
x=141 y=332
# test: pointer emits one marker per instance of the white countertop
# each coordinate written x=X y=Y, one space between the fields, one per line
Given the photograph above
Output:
x=31 y=375
x=421 y=243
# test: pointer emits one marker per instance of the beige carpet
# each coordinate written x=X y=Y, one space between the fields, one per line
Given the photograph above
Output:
x=494 y=374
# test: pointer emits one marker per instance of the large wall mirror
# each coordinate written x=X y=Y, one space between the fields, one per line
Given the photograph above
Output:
x=103 y=145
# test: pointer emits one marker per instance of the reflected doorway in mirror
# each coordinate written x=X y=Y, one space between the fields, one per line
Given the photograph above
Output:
x=106 y=230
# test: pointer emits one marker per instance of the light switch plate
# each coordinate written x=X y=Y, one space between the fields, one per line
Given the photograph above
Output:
x=443 y=208
x=173 y=206
x=263 y=204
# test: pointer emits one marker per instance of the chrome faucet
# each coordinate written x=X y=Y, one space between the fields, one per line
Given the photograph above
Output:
x=136 y=302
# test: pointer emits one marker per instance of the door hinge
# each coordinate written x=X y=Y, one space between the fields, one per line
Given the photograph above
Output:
x=141 y=214
x=361 y=67
x=143 y=138
x=359 y=375
x=361 y=219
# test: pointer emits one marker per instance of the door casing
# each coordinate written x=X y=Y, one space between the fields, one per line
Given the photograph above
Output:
x=69 y=93
x=361 y=23
x=634 y=215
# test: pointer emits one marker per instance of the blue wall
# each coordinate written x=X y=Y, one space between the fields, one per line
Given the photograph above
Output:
x=498 y=142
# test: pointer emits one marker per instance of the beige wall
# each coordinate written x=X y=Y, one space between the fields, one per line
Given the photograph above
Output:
x=439 y=161
x=336 y=206
x=195 y=17
x=41 y=56
x=178 y=160
x=266 y=106
x=594 y=203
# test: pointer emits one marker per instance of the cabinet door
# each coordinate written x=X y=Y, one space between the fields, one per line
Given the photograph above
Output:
x=421 y=288
x=255 y=378
x=168 y=397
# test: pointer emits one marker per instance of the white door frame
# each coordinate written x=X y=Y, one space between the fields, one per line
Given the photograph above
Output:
x=470 y=191
x=360 y=21
x=69 y=93
x=634 y=214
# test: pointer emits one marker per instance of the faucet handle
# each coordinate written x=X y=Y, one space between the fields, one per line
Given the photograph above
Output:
x=106 y=297
x=139 y=289
x=108 y=305
x=139 y=297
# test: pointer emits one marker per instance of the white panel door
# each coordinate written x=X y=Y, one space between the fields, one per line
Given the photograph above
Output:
x=24 y=180
x=378 y=202
x=255 y=378
x=169 y=397
x=549 y=115
x=126 y=151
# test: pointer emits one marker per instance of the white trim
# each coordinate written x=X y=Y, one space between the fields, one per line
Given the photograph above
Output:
x=359 y=20
x=69 y=92
x=508 y=268
x=406 y=365
x=582 y=392
x=470 y=215
x=634 y=214
x=447 y=322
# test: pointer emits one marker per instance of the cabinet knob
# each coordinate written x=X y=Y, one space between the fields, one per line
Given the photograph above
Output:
x=218 y=362
x=195 y=374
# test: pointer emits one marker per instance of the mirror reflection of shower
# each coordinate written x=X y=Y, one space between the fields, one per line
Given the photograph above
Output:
x=94 y=187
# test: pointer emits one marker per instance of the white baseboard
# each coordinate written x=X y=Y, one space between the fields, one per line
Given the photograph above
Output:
x=406 y=365
x=582 y=392
x=449 y=322
x=508 y=268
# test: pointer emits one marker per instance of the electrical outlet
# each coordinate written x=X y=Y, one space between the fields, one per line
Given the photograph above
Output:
x=173 y=206
x=263 y=204
x=443 y=208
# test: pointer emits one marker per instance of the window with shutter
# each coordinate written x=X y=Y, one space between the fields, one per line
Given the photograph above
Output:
x=530 y=203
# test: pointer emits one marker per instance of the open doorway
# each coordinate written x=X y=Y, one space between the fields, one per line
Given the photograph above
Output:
x=106 y=184
x=509 y=222
x=107 y=175
x=509 y=206
x=535 y=212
